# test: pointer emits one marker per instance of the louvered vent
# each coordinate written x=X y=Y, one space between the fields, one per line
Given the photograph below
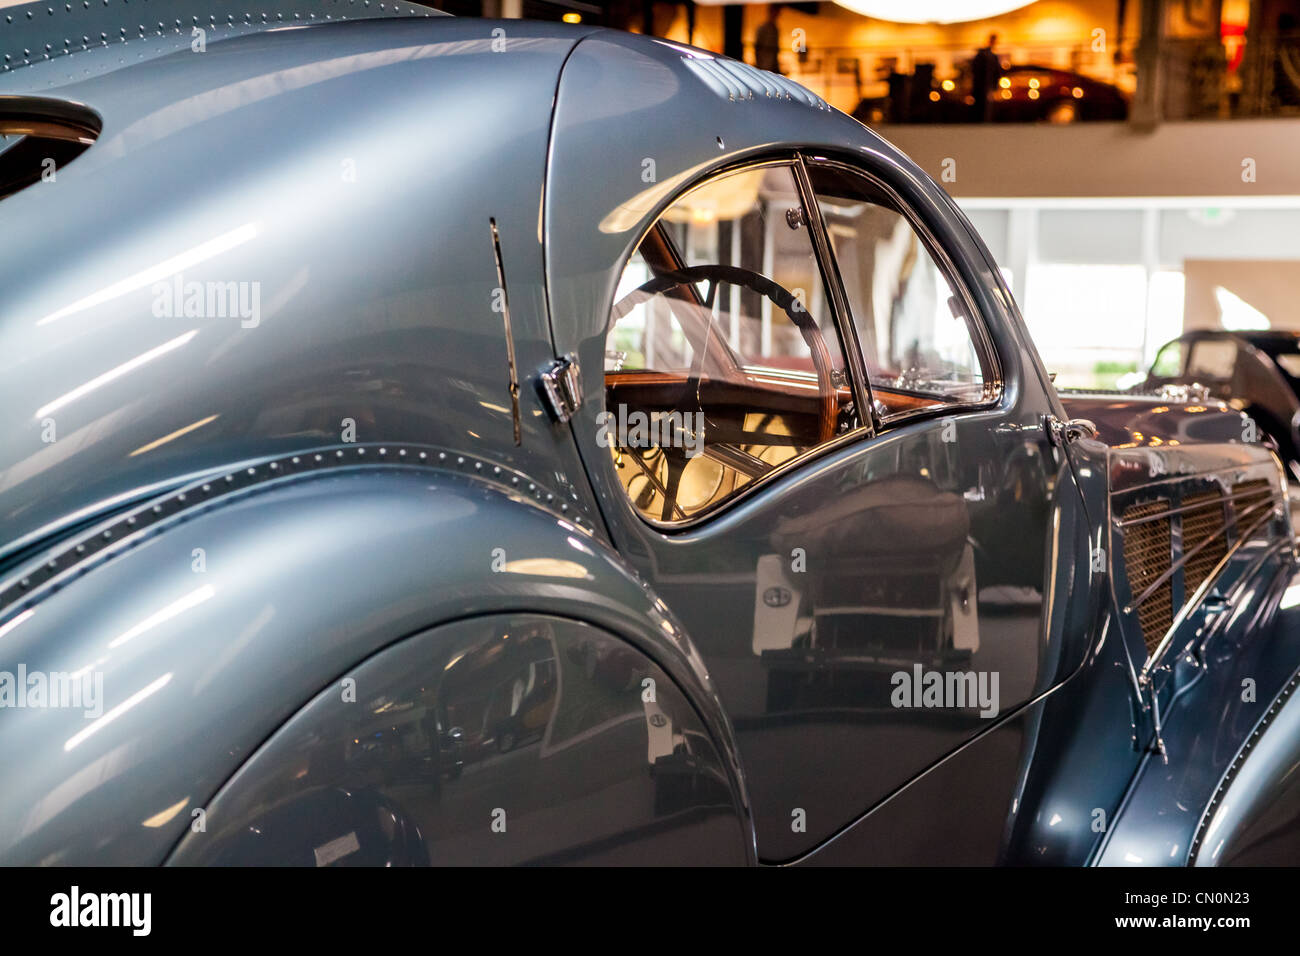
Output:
x=1205 y=532
x=739 y=82
x=1210 y=524
x=1147 y=555
x=1253 y=501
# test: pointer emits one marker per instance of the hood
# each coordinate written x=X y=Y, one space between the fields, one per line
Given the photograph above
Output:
x=1139 y=421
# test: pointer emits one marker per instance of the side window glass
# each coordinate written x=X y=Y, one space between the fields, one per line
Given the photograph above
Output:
x=722 y=361
x=1212 y=359
x=918 y=340
x=1169 y=362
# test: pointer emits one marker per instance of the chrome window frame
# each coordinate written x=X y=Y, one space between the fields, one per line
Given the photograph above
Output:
x=994 y=383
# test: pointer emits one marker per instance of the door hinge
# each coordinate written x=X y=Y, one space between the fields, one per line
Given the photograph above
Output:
x=1063 y=433
x=562 y=387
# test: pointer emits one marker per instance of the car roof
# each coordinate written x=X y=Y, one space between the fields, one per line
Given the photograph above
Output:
x=1272 y=336
x=346 y=169
x=46 y=46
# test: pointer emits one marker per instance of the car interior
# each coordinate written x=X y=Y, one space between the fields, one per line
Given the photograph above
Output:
x=722 y=324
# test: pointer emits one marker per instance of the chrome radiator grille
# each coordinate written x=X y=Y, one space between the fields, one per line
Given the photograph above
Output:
x=1148 y=553
x=1163 y=539
x=1205 y=528
x=1250 y=495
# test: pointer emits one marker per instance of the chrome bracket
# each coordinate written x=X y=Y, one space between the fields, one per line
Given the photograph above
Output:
x=1067 y=432
x=561 y=385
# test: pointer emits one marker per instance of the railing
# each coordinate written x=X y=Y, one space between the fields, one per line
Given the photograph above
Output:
x=844 y=76
x=1199 y=78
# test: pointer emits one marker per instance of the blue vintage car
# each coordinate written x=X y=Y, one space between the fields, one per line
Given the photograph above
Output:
x=436 y=441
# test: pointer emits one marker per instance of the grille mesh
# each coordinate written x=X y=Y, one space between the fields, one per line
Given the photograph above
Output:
x=1252 y=495
x=1147 y=555
x=1204 y=521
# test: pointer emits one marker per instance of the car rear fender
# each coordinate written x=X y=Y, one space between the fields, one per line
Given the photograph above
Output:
x=208 y=617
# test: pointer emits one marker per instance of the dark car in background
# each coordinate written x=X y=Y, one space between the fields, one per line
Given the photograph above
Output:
x=1255 y=372
x=1029 y=93
x=1024 y=93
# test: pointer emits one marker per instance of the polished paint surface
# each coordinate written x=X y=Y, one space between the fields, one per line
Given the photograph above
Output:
x=911 y=525
x=303 y=578
x=281 y=161
x=498 y=740
x=226 y=515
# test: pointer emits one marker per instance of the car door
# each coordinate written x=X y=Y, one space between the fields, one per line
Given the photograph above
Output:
x=812 y=448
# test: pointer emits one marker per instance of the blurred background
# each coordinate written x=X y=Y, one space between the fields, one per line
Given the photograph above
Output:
x=1132 y=164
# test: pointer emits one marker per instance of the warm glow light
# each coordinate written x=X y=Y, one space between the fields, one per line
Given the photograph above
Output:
x=162 y=818
x=176 y=434
x=934 y=96
x=1033 y=94
x=1077 y=92
x=572 y=17
x=1033 y=83
x=932 y=11
x=1004 y=83
x=546 y=568
x=949 y=85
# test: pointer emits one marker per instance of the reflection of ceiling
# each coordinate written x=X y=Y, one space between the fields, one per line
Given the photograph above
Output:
x=932 y=11
x=1241 y=293
x=727 y=198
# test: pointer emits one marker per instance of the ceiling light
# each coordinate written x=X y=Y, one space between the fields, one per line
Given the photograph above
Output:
x=932 y=11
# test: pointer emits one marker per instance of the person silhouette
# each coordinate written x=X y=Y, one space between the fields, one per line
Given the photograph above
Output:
x=986 y=68
x=767 y=41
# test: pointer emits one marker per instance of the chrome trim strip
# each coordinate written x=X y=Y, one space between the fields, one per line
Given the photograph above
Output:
x=994 y=384
x=1239 y=760
x=70 y=557
x=510 y=335
x=829 y=268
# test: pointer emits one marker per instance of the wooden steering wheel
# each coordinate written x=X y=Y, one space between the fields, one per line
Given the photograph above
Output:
x=781 y=297
x=725 y=453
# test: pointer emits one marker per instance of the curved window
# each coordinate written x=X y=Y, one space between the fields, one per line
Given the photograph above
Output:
x=1212 y=359
x=722 y=362
x=1169 y=362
